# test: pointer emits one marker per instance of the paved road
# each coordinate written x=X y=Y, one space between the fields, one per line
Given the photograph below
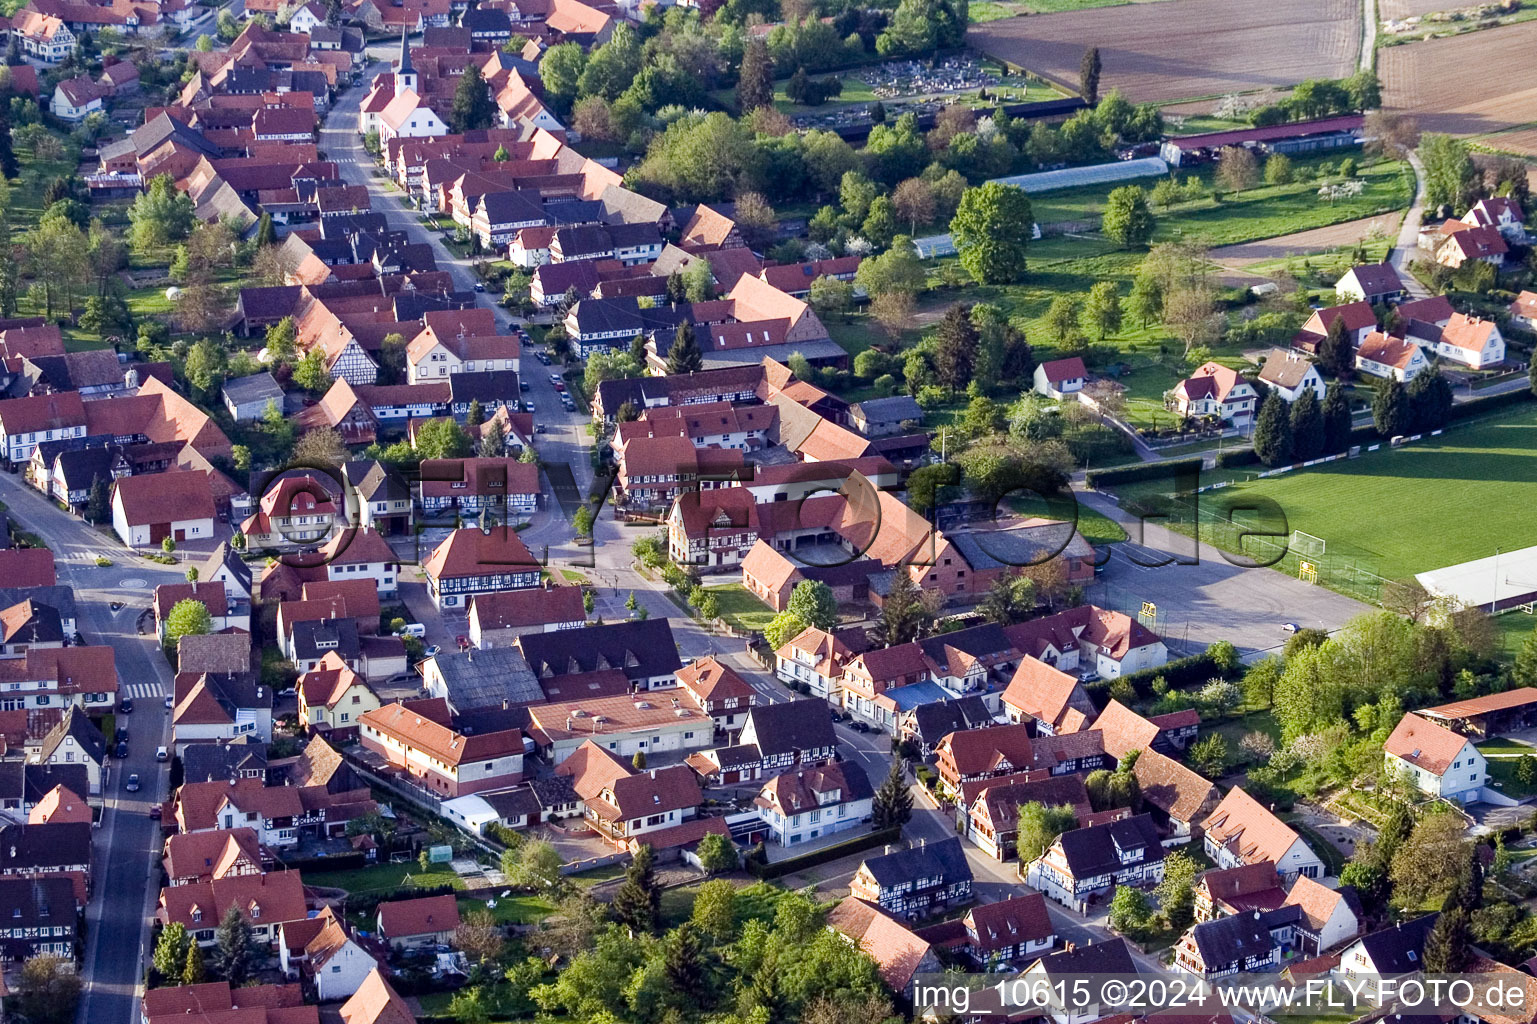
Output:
x=1407 y=248
x=1203 y=596
x=127 y=844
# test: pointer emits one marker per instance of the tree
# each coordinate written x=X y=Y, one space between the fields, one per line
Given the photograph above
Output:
x=1061 y=320
x=1430 y=401
x=1237 y=169
x=898 y=270
x=893 y=804
x=160 y=214
x=756 y=219
x=468 y=1006
x=914 y=202
x=443 y=439
x=1209 y=755
x=783 y=628
x=1127 y=220
x=1336 y=354
x=48 y=991
x=187 y=618
x=1176 y=892
x=831 y=296
x=955 y=348
x=96 y=509
x=638 y=762
x=638 y=902
x=1307 y=426
x=1145 y=303
x=493 y=441
x=473 y=108
x=1272 y=431
x=991 y=230
x=716 y=854
x=684 y=356
x=475 y=415
x=171 y=950
x=281 y=338
x=534 y=865
x=1009 y=600
x=880 y=223
x=1190 y=311
x=1451 y=180
x=1337 y=419
x=1390 y=409
x=204 y=368
x=1101 y=312
x=755 y=82
x=193 y=970
x=894 y=312
x=1278 y=169
x=715 y=909
x=479 y=937
x=1446 y=946
x=581 y=522
x=904 y=616
x=311 y=373
x=1039 y=827
x=814 y=603
x=232 y=940
x=1429 y=863
x=1129 y=911
x=1089 y=69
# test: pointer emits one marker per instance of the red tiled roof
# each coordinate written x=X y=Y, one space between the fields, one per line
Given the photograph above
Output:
x=425 y=916
x=1425 y=744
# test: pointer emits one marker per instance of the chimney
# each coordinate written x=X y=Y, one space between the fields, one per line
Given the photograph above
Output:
x=887 y=850
x=504 y=703
x=922 y=843
x=653 y=773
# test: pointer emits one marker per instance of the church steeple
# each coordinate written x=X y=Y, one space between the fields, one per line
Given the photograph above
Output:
x=405 y=76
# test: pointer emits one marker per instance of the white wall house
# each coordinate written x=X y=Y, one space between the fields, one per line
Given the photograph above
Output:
x=1471 y=341
x=1438 y=761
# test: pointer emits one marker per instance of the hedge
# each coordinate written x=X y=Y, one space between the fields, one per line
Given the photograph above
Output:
x=1489 y=403
x=828 y=853
x=1142 y=471
x=1237 y=457
x=340 y=862
x=1195 y=670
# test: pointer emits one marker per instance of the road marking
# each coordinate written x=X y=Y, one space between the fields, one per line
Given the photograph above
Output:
x=144 y=691
x=133 y=583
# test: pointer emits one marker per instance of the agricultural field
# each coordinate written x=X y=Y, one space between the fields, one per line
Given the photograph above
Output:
x=1469 y=84
x=992 y=10
x=1374 y=509
x=1150 y=51
x=1249 y=255
x=1397 y=10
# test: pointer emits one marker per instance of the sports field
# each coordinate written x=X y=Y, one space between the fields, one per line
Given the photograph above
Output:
x=1429 y=504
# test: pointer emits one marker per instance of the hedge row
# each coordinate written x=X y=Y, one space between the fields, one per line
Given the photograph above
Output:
x=340 y=862
x=1181 y=673
x=1490 y=403
x=1097 y=478
x=828 y=853
x=1237 y=457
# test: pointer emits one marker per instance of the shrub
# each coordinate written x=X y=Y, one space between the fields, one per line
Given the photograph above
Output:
x=1097 y=478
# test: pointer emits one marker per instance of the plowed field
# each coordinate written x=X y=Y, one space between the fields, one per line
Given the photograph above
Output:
x=1466 y=85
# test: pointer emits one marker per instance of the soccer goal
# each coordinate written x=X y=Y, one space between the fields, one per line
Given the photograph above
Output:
x=1308 y=546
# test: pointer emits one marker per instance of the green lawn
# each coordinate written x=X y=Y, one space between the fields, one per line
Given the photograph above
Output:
x=385 y=877
x=520 y=908
x=607 y=873
x=740 y=608
x=1514 y=628
x=1099 y=529
x=1372 y=511
x=1502 y=770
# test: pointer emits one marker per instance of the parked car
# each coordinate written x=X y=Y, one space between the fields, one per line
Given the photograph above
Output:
x=170 y=701
x=132 y=785
x=154 y=813
x=529 y=407
x=125 y=706
x=522 y=385
x=162 y=754
x=1290 y=627
x=122 y=751
x=122 y=735
x=480 y=286
x=432 y=651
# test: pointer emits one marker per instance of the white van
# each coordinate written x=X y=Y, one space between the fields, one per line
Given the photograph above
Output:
x=415 y=629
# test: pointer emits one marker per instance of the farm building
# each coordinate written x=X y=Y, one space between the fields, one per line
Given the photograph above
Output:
x=1298 y=137
x=1491 y=715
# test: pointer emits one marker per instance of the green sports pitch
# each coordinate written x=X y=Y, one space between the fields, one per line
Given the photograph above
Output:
x=1397 y=512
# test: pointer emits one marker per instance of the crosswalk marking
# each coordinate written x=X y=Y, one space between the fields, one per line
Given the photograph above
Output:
x=143 y=691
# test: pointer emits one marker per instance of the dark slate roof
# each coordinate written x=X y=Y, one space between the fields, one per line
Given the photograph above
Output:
x=945 y=859
x=1096 y=850
x=493 y=386
x=88 y=739
x=224 y=557
x=982 y=641
x=82 y=466
x=554 y=790
x=891 y=410
x=271 y=301
x=933 y=721
x=484 y=679
x=163 y=127
x=512 y=207
x=601 y=316
x=638 y=649
x=1400 y=949
x=60 y=598
x=258 y=387
x=789 y=726
x=374 y=481
x=39 y=779
x=13 y=779
x=736 y=756
x=513 y=803
x=28 y=903
x=1112 y=957
x=482 y=20
x=40 y=847
x=1237 y=937
x=217 y=762
x=339 y=635
x=572 y=211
